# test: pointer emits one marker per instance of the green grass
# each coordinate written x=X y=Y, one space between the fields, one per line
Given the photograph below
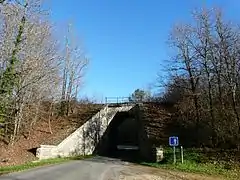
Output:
x=29 y=165
x=196 y=162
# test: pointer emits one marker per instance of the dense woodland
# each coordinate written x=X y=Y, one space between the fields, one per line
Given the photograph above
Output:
x=34 y=69
x=204 y=85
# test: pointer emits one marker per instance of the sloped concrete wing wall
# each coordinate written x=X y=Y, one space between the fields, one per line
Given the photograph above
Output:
x=84 y=140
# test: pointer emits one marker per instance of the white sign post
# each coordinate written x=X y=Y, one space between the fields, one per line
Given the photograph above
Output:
x=174 y=155
x=173 y=141
x=182 y=154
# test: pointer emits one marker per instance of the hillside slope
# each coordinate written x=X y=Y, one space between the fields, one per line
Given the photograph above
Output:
x=23 y=150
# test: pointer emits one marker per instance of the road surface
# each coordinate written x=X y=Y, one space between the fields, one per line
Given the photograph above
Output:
x=99 y=168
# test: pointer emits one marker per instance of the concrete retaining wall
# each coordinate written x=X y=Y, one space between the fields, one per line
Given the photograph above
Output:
x=84 y=140
x=46 y=152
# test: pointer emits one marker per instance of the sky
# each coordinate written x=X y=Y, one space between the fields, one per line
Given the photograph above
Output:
x=126 y=39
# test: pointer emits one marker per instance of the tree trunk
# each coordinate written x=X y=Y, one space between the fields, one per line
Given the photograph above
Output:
x=49 y=117
x=35 y=119
x=69 y=92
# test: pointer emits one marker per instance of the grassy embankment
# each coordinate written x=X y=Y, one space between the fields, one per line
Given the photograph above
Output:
x=196 y=161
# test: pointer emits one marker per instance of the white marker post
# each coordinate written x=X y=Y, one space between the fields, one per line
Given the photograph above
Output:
x=174 y=155
x=182 y=154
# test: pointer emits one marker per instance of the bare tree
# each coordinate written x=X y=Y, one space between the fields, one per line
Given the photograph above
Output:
x=32 y=69
x=74 y=65
x=229 y=40
x=9 y=76
x=207 y=58
x=179 y=39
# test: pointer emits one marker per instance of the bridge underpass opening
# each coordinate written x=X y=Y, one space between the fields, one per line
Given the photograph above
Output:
x=121 y=139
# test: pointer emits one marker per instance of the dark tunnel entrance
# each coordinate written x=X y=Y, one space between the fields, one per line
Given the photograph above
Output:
x=121 y=139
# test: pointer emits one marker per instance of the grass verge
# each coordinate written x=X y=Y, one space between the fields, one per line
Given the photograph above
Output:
x=29 y=165
x=195 y=162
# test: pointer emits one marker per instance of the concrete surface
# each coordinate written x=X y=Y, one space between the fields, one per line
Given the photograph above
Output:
x=100 y=168
x=84 y=140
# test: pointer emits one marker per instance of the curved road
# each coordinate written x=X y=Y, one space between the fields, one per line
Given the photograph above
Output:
x=98 y=168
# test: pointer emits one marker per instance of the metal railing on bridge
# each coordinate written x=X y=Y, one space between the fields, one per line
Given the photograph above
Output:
x=117 y=100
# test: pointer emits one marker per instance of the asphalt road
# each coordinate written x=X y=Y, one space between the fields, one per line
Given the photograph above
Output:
x=99 y=168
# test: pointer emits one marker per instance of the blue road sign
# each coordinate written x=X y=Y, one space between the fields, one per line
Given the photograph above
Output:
x=173 y=141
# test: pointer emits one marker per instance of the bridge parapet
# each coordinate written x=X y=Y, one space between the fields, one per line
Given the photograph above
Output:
x=119 y=101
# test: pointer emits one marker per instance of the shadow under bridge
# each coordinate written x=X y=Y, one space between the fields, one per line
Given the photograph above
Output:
x=121 y=139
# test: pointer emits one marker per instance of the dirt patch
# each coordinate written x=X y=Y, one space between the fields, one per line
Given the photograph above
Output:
x=147 y=173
